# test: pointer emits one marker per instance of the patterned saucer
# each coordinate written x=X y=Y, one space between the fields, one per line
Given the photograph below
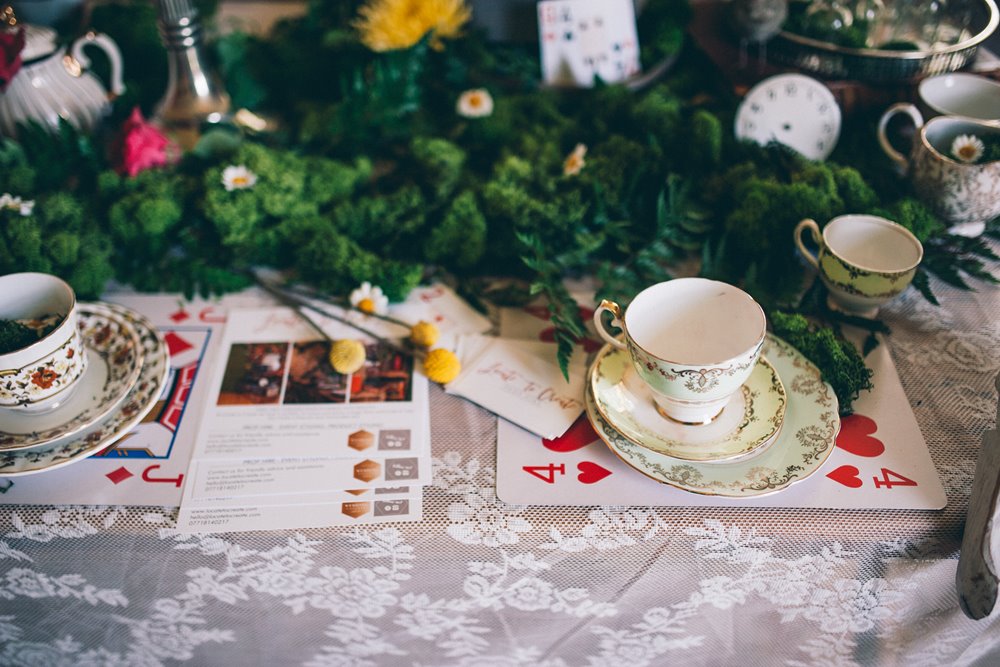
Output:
x=749 y=422
x=805 y=442
x=138 y=402
x=115 y=357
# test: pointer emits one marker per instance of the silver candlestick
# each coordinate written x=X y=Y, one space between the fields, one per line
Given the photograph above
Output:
x=195 y=95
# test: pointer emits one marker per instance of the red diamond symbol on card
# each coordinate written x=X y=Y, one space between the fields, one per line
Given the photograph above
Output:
x=120 y=475
x=176 y=344
x=179 y=316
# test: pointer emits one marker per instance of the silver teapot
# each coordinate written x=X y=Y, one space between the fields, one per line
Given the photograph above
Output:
x=53 y=83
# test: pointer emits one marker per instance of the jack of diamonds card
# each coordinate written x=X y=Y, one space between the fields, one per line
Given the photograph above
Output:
x=147 y=466
x=581 y=40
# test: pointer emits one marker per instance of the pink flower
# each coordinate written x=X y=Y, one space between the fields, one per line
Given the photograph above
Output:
x=11 y=44
x=143 y=146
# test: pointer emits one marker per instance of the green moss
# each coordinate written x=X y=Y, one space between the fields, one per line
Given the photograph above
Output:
x=837 y=359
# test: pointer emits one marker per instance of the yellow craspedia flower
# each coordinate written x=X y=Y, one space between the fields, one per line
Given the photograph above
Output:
x=387 y=25
x=424 y=334
x=442 y=366
x=347 y=356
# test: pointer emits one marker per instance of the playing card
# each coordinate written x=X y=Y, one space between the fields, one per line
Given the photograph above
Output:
x=586 y=39
x=880 y=461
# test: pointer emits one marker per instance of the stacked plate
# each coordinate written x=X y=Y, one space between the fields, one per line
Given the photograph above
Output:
x=128 y=364
x=776 y=431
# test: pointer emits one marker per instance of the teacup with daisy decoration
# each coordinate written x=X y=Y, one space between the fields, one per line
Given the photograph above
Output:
x=954 y=164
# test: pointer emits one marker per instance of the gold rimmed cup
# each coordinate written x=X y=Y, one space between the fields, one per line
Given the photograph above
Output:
x=864 y=260
x=693 y=341
x=42 y=375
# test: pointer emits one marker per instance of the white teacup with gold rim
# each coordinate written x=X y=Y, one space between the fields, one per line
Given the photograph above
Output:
x=693 y=341
x=864 y=260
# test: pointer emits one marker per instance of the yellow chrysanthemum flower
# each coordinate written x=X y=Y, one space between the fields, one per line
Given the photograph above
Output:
x=442 y=366
x=347 y=356
x=424 y=334
x=387 y=25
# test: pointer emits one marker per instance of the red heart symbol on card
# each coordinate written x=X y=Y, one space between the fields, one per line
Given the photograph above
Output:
x=590 y=472
x=578 y=436
x=855 y=436
x=846 y=475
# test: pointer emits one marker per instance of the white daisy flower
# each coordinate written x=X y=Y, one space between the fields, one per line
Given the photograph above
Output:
x=370 y=299
x=238 y=177
x=967 y=148
x=475 y=103
x=574 y=161
x=24 y=207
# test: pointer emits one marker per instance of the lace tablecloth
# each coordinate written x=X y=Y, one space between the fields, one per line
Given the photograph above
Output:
x=479 y=582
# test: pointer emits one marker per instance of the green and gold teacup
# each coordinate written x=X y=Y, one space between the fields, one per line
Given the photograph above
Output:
x=864 y=260
x=692 y=341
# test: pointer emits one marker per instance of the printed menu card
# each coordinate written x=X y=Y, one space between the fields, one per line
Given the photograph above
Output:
x=287 y=442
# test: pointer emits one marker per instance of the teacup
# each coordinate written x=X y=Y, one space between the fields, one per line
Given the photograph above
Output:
x=693 y=341
x=960 y=94
x=40 y=376
x=959 y=192
x=864 y=260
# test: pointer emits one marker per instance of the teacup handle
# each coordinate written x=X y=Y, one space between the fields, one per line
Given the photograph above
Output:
x=108 y=45
x=883 y=123
x=811 y=225
x=616 y=321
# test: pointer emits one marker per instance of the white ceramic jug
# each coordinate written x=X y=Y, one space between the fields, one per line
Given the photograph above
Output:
x=53 y=83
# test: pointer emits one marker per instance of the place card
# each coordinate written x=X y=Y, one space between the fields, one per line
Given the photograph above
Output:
x=521 y=382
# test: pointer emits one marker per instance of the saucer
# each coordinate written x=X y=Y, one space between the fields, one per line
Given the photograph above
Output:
x=749 y=421
x=806 y=439
x=114 y=360
x=138 y=402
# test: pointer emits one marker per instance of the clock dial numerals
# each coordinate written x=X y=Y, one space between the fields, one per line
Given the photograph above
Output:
x=792 y=109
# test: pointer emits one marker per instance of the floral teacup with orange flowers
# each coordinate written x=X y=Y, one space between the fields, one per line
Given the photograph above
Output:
x=40 y=371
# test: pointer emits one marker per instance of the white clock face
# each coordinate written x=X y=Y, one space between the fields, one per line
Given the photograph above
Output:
x=791 y=109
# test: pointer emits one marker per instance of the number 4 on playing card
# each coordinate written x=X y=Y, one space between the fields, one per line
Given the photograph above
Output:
x=891 y=479
x=546 y=473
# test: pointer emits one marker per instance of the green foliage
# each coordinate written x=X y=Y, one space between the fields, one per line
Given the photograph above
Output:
x=569 y=328
x=387 y=224
x=439 y=163
x=334 y=263
x=706 y=140
x=133 y=27
x=661 y=29
x=460 y=238
x=837 y=359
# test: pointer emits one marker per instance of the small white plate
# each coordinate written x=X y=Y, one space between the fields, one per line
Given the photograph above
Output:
x=805 y=442
x=749 y=421
x=114 y=361
x=138 y=402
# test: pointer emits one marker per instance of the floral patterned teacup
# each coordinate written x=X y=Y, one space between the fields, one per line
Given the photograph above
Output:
x=863 y=260
x=956 y=187
x=693 y=341
x=42 y=375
